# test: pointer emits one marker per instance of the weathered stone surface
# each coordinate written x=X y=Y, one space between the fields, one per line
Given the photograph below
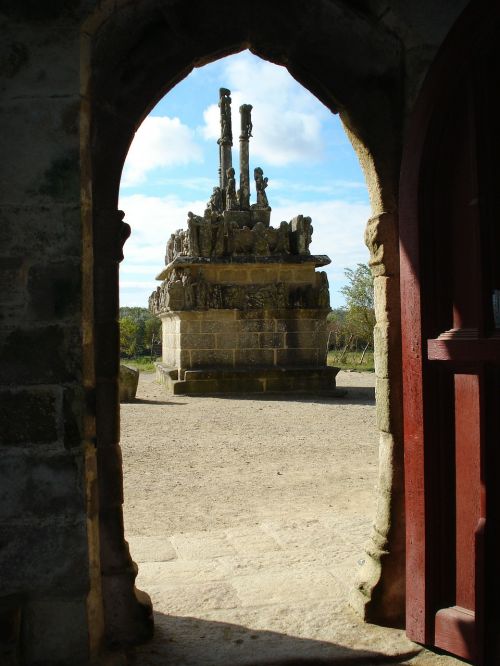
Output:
x=34 y=486
x=45 y=620
x=30 y=556
x=29 y=416
x=257 y=379
x=377 y=589
x=129 y=378
x=46 y=231
x=54 y=291
x=381 y=240
x=130 y=620
x=40 y=354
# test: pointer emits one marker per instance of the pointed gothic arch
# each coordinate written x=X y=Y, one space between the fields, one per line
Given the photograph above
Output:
x=135 y=53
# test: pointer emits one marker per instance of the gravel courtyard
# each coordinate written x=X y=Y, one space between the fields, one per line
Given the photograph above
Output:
x=247 y=518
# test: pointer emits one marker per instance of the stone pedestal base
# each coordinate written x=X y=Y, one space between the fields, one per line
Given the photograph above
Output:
x=239 y=340
x=248 y=380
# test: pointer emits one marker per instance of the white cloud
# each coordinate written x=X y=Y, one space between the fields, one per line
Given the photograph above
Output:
x=338 y=232
x=159 y=142
x=203 y=184
x=332 y=188
x=152 y=220
x=287 y=120
x=339 y=229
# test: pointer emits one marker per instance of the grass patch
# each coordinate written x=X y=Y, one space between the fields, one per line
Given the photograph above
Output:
x=141 y=363
x=351 y=361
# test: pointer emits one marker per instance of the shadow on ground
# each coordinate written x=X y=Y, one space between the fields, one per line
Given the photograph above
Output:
x=140 y=401
x=351 y=395
x=188 y=641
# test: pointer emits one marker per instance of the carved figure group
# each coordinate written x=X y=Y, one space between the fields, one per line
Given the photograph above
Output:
x=260 y=187
x=185 y=290
x=224 y=237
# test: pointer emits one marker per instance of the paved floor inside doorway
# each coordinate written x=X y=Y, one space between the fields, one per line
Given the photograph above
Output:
x=247 y=518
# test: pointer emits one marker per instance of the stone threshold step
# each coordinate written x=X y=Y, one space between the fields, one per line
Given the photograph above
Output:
x=213 y=381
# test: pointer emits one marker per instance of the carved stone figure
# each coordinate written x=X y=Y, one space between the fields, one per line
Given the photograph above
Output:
x=185 y=243
x=260 y=187
x=170 y=249
x=200 y=291
x=194 y=248
x=178 y=242
x=215 y=203
x=225 y=115
x=187 y=285
x=323 y=291
x=283 y=239
x=302 y=234
x=231 y=199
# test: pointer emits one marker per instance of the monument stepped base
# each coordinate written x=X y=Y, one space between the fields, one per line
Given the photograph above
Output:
x=303 y=380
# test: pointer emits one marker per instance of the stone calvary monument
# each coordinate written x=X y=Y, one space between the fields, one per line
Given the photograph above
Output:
x=243 y=309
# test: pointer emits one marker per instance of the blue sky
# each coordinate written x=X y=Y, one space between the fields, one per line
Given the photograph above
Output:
x=172 y=166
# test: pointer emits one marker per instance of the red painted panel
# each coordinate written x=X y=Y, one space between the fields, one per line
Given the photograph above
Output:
x=472 y=350
x=468 y=484
x=455 y=631
x=417 y=624
x=443 y=286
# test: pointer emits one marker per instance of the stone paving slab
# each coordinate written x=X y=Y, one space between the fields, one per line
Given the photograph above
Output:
x=201 y=546
x=151 y=549
x=272 y=593
x=193 y=598
x=252 y=539
x=300 y=582
x=180 y=572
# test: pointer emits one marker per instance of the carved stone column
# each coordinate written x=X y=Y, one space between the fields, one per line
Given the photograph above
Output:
x=127 y=611
x=246 y=133
x=226 y=138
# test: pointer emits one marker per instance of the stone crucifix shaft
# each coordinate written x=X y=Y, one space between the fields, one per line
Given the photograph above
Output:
x=246 y=133
x=226 y=137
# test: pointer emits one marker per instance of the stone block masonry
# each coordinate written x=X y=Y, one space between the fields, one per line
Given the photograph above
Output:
x=228 y=338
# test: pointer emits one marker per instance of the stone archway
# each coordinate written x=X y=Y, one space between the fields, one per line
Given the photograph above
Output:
x=134 y=55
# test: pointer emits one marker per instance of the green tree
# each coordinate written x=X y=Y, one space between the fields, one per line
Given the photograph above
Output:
x=152 y=334
x=147 y=330
x=336 y=327
x=360 y=312
x=128 y=336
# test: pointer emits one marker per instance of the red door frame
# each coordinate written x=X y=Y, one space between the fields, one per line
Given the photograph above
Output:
x=446 y=385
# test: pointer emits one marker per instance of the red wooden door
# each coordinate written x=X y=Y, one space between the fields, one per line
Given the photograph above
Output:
x=450 y=283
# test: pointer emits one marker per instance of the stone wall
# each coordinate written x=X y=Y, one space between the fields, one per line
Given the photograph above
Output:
x=50 y=594
x=238 y=339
